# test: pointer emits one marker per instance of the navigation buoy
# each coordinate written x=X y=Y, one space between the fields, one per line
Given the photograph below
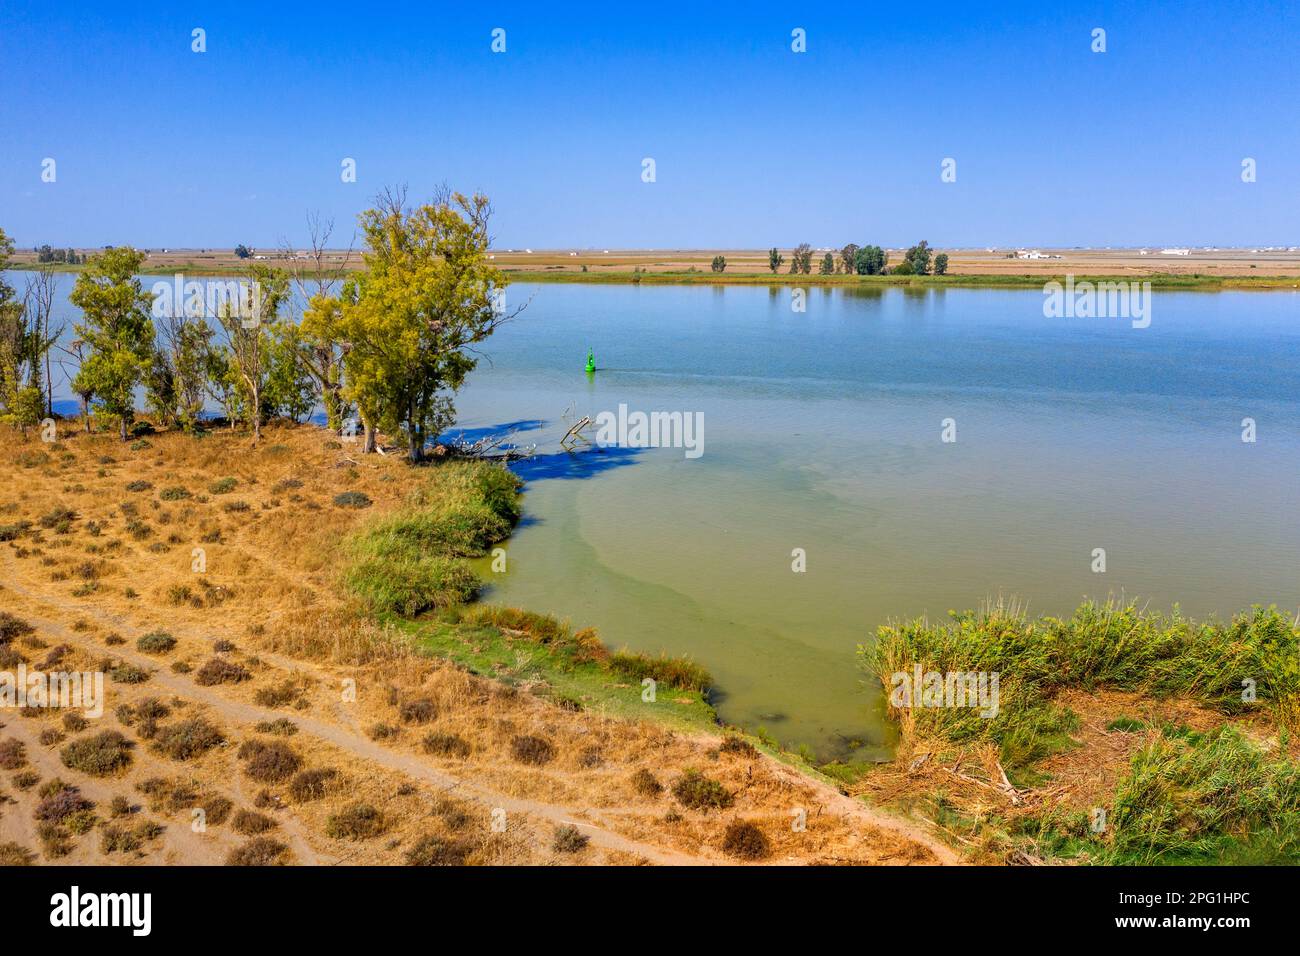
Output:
x=591 y=362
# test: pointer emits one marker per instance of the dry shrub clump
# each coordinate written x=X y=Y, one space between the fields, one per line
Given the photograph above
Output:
x=259 y=851
x=221 y=671
x=156 y=642
x=695 y=791
x=104 y=753
x=646 y=783
x=187 y=739
x=431 y=850
x=744 y=840
x=419 y=711
x=569 y=839
x=13 y=754
x=357 y=821
x=269 y=762
x=446 y=745
x=531 y=750
x=251 y=823
x=311 y=784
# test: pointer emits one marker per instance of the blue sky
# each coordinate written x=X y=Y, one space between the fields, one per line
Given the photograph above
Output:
x=754 y=145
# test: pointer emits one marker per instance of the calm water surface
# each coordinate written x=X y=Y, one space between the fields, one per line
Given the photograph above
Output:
x=822 y=431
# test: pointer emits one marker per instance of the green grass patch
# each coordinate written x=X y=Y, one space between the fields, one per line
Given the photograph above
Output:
x=1100 y=645
x=412 y=561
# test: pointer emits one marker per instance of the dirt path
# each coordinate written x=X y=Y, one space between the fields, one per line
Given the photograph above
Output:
x=342 y=730
x=240 y=713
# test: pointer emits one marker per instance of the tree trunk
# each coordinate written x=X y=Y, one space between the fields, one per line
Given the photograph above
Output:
x=122 y=426
x=333 y=407
x=368 y=442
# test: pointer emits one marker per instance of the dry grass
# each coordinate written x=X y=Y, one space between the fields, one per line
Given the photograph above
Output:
x=267 y=608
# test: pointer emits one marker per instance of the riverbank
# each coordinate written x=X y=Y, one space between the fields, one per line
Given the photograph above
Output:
x=210 y=579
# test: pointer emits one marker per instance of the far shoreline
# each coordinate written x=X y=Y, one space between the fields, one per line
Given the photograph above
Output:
x=1160 y=281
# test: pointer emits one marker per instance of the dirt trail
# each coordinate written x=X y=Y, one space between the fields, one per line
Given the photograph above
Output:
x=242 y=713
x=880 y=837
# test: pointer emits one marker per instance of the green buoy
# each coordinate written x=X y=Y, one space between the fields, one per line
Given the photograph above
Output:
x=591 y=362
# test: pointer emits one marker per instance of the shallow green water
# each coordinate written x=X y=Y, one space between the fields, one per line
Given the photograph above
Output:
x=822 y=431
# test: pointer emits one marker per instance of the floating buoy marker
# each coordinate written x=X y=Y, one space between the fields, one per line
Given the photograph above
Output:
x=591 y=362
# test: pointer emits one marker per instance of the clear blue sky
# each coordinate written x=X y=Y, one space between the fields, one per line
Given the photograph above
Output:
x=754 y=145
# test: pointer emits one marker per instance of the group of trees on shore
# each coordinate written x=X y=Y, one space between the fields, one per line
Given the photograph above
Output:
x=383 y=350
x=62 y=256
x=860 y=260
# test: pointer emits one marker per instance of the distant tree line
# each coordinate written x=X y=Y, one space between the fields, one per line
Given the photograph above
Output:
x=64 y=256
x=861 y=260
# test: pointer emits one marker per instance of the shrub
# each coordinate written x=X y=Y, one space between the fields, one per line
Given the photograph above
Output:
x=187 y=739
x=13 y=754
x=125 y=673
x=738 y=746
x=278 y=695
x=433 y=850
x=698 y=792
x=646 y=784
x=352 y=499
x=446 y=745
x=311 y=784
x=421 y=710
x=139 y=485
x=74 y=723
x=12 y=627
x=222 y=486
x=251 y=823
x=15 y=854
x=569 y=839
x=259 y=851
x=174 y=494
x=104 y=753
x=357 y=821
x=218 y=670
x=280 y=727
x=156 y=642
x=115 y=838
x=62 y=803
x=216 y=809
x=59 y=518
x=120 y=806
x=532 y=750
x=269 y=762
x=151 y=708
x=382 y=731
x=744 y=840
